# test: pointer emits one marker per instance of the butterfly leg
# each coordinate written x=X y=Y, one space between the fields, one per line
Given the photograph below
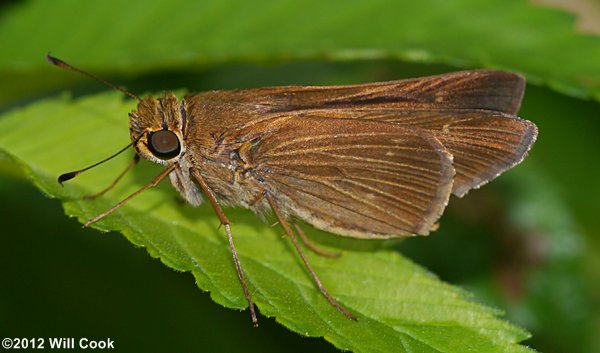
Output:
x=312 y=246
x=130 y=166
x=290 y=233
x=225 y=222
x=152 y=184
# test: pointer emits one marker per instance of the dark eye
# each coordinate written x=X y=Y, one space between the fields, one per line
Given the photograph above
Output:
x=164 y=144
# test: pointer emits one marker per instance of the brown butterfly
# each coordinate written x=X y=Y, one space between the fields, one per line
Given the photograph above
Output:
x=376 y=160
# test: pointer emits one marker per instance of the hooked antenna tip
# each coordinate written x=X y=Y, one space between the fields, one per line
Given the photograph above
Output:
x=67 y=176
x=53 y=60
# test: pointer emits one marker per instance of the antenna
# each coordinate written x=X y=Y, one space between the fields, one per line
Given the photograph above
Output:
x=70 y=175
x=64 y=65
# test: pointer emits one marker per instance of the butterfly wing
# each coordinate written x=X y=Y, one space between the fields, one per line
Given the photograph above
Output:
x=483 y=143
x=358 y=178
x=499 y=91
x=470 y=112
x=375 y=160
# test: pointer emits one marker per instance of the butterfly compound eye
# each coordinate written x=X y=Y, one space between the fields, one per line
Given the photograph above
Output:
x=164 y=144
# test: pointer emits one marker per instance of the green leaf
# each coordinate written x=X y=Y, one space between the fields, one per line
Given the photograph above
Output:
x=140 y=36
x=401 y=307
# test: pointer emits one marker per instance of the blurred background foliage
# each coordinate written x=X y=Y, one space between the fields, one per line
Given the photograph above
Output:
x=527 y=243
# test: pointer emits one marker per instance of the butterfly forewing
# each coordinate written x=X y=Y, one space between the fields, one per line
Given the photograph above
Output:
x=470 y=112
x=357 y=178
x=480 y=89
x=483 y=143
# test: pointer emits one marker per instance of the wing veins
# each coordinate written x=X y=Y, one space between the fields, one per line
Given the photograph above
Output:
x=341 y=148
x=376 y=161
x=386 y=195
x=340 y=205
x=398 y=185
